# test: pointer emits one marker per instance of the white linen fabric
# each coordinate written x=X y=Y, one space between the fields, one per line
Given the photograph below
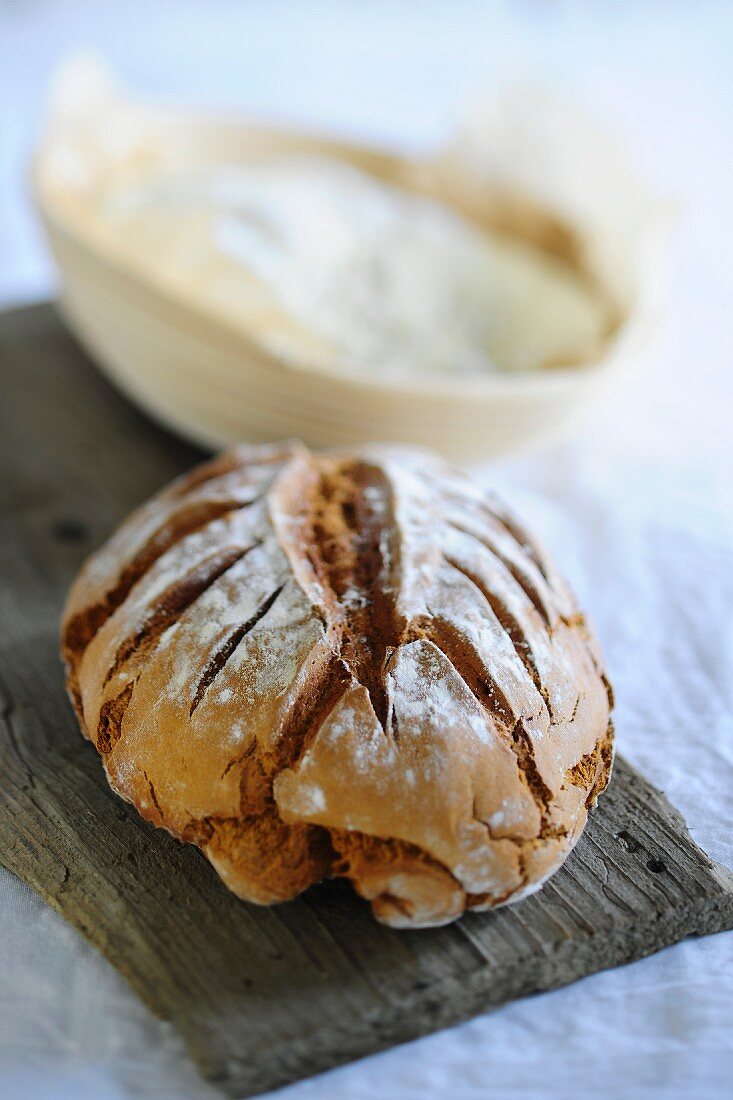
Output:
x=638 y=509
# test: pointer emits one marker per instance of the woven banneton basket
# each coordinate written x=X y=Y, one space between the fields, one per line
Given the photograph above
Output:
x=198 y=372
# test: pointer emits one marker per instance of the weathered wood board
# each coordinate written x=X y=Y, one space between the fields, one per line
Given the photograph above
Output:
x=261 y=996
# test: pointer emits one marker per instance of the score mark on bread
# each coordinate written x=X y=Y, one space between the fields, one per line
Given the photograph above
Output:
x=343 y=664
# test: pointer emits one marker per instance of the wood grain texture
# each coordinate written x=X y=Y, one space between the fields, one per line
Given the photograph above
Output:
x=261 y=996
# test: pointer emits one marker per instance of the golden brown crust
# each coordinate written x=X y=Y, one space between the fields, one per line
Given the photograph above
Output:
x=351 y=664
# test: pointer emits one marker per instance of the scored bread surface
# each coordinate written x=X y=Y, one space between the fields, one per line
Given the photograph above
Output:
x=343 y=664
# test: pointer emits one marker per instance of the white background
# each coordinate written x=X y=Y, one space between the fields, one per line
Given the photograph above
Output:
x=638 y=507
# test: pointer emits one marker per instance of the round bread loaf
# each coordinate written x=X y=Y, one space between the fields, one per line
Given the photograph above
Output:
x=343 y=664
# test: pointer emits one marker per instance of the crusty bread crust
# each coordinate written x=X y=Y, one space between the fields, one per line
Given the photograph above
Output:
x=353 y=664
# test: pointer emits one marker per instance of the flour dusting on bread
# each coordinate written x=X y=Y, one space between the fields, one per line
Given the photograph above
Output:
x=347 y=664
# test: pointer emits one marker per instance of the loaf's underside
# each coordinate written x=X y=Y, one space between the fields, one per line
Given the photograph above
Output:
x=343 y=664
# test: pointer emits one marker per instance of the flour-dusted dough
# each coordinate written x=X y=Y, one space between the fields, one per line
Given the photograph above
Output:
x=352 y=664
x=327 y=263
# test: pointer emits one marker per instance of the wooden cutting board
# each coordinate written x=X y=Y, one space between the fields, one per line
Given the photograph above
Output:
x=261 y=996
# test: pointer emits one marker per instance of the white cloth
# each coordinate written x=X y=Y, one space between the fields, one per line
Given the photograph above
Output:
x=638 y=509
